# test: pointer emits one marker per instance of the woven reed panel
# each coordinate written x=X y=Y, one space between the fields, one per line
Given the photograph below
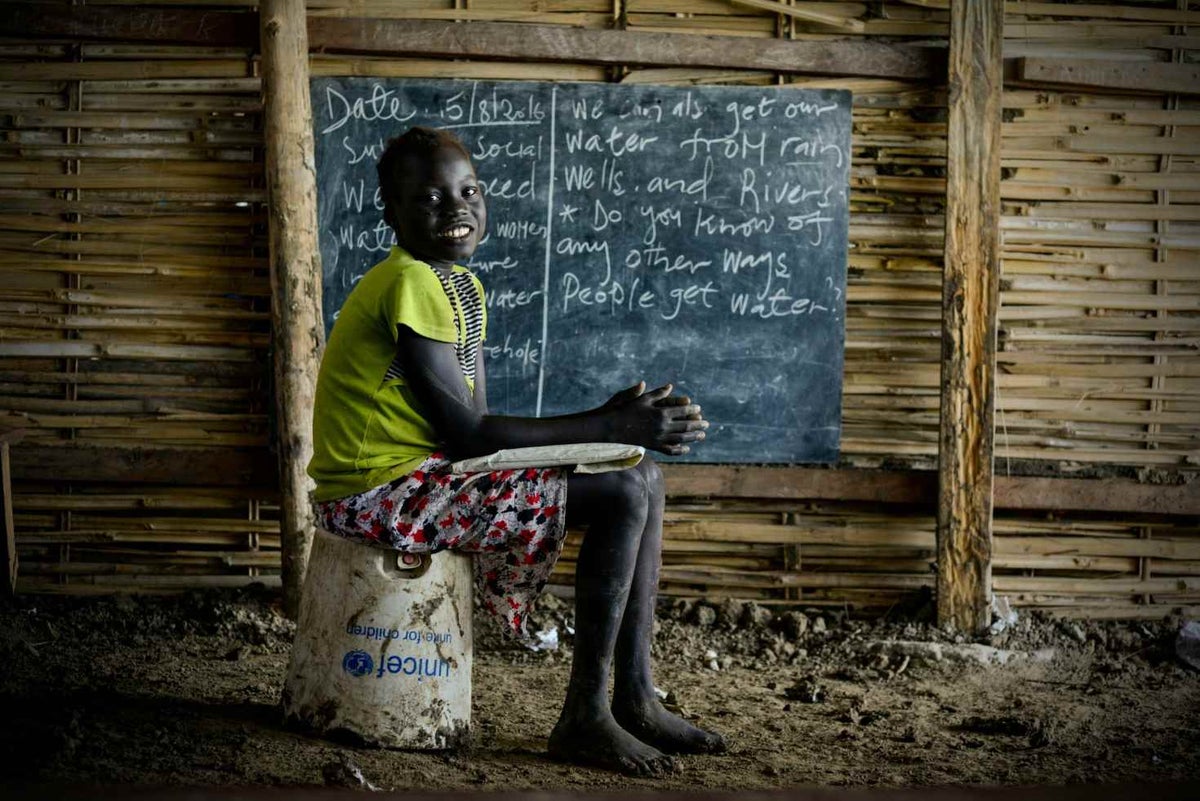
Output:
x=134 y=309
x=1100 y=319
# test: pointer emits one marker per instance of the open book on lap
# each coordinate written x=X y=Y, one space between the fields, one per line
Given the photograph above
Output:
x=585 y=457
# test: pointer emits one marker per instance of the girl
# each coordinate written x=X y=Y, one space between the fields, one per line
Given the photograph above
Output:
x=402 y=392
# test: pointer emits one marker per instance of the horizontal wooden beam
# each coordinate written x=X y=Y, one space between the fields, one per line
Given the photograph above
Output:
x=1127 y=76
x=157 y=25
x=223 y=467
x=256 y=467
x=487 y=41
x=1095 y=495
x=801 y=483
x=919 y=488
x=508 y=41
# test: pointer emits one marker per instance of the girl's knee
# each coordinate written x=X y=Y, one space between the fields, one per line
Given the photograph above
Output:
x=628 y=488
x=652 y=475
x=631 y=493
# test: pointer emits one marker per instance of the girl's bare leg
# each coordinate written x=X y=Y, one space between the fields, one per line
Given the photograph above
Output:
x=635 y=706
x=614 y=506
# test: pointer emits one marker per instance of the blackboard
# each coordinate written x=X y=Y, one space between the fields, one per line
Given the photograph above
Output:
x=692 y=235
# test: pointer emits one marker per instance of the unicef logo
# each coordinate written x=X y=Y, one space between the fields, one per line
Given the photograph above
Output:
x=357 y=663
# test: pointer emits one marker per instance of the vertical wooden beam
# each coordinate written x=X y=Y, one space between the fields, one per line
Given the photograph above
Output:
x=970 y=292
x=299 y=334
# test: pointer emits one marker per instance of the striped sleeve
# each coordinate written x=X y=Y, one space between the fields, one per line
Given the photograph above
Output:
x=466 y=288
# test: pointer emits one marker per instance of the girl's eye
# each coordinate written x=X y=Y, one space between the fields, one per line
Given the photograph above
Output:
x=471 y=191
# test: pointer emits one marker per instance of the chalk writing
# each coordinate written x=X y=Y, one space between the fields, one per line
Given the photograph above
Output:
x=635 y=232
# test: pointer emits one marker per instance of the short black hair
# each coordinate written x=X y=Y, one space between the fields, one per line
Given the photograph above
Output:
x=417 y=141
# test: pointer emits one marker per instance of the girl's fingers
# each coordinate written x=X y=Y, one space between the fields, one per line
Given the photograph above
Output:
x=658 y=394
x=629 y=393
x=687 y=424
x=673 y=400
x=680 y=419
x=672 y=413
x=680 y=437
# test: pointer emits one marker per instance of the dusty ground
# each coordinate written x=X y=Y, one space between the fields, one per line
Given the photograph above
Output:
x=184 y=691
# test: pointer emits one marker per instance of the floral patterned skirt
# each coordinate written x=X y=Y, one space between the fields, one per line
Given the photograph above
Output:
x=514 y=521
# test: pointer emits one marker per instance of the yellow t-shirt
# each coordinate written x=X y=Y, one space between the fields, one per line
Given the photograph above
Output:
x=368 y=427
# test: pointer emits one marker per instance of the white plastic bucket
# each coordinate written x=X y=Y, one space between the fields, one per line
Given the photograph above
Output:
x=383 y=647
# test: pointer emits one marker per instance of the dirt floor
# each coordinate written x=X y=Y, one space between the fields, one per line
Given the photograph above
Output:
x=184 y=690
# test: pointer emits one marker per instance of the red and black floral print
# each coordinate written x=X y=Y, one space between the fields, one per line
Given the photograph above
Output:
x=513 y=520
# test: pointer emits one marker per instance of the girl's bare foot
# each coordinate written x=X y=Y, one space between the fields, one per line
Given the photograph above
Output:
x=600 y=742
x=649 y=722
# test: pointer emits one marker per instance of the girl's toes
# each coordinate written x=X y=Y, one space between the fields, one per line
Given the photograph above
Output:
x=659 y=766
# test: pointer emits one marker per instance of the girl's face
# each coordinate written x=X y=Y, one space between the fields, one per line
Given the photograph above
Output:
x=439 y=214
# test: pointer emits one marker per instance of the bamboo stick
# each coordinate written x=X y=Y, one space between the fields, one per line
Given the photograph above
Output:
x=430 y=68
x=1098 y=546
x=77 y=569
x=123 y=121
x=1089 y=10
x=88 y=350
x=581 y=20
x=216 y=103
x=147 y=264
x=1116 y=586
x=42 y=586
x=1140 y=612
x=193 y=499
x=155 y=71
x=138 y=583
x=216 y=538
x=843 y=23
x=175 y=524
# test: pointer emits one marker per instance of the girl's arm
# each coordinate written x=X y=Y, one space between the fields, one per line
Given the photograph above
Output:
x=623 y=396
x=650 y=419
x=481 y=404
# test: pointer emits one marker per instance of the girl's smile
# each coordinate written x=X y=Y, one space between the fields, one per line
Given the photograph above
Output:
x=456 y=232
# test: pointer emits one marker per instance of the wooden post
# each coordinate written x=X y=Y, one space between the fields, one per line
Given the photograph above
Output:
x=9 y=543
x=299 y=333
x=970 y=292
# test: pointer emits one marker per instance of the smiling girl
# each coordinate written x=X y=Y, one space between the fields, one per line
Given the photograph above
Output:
x=402 y=393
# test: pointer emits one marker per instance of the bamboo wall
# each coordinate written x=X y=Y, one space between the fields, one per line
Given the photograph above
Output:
x=1100 y=308
x=134 y=308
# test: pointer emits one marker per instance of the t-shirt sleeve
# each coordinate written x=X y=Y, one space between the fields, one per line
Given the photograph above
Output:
x=482 y=308
x=415 y=298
